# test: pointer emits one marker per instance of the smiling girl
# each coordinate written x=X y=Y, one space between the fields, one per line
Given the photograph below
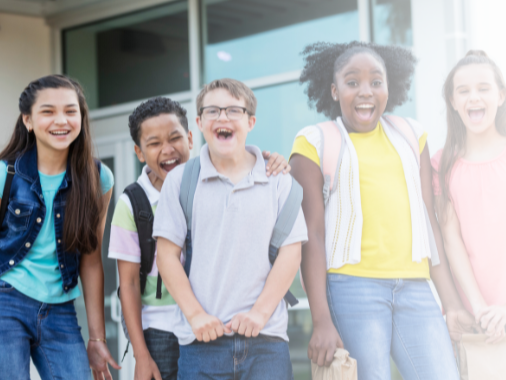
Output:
x=471 y=185
x=371 y=238
x=52 y=234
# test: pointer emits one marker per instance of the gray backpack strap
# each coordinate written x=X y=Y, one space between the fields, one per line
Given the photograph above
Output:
x=186 y=195
x=188 y=187
x=283 y=227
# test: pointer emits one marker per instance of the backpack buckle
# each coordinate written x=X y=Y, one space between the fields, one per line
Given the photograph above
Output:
x=13 y=170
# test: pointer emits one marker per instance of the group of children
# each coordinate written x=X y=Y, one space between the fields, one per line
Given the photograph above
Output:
x=207 y=248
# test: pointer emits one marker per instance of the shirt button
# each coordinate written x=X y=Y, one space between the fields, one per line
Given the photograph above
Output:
x=28 y=245
x=62 y=266
x=39 y=220
x=18 y=211
x=57 y=215
x=59 y=241
x=65 y=288
x=41 y=196
x=11 y=262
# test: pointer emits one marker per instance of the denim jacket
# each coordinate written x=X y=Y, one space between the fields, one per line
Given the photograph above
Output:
x=25 y=216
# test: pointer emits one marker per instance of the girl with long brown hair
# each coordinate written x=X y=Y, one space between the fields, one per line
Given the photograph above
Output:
x=470 y=186
x=55 y=198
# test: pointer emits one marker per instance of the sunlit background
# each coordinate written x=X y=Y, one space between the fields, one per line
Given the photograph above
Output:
x=125 y=51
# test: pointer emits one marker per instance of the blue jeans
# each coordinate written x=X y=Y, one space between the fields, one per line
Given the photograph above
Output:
x=49 y=333
x=236 y=357
x=164 y=349
x=377 y=318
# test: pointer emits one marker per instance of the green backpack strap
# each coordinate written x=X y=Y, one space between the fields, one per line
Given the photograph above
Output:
x=186 y=196
x=283 y=227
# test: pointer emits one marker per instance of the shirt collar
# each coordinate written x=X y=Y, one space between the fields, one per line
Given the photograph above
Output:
x=207 y=169
x=143 y=180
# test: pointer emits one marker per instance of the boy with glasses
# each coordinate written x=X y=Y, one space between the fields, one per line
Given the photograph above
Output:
x=232 y=319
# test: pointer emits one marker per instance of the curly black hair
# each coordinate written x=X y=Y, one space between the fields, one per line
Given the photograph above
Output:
x=323 y=59
x=152 y=108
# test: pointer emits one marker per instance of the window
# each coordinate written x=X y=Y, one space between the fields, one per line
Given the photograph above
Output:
x=391 y=25
x=130 y=57
x=247 y=39
x=391 y=22
x=282 y=111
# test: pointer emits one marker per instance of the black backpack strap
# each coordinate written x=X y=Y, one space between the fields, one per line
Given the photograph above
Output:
x=143 y=216
x=7 y=189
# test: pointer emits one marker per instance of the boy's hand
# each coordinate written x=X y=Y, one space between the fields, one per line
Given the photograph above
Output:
x=276 y=163
x=207 y=327
x=493 y=321
x=248 y=324
x=323 y=344
x=99 y=356
x=146 y=369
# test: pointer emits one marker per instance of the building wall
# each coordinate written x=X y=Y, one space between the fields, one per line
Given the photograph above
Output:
x=25 y=54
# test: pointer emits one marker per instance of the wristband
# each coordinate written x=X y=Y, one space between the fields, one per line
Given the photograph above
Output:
x=97 y=340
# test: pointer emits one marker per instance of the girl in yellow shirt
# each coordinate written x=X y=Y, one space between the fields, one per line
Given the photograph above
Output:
x=366 y=264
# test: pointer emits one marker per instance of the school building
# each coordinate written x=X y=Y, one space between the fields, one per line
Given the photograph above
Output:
x=125 y=51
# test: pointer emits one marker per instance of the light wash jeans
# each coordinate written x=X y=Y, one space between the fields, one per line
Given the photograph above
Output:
x=377 y=318
x=236 y=358
x=49 y=333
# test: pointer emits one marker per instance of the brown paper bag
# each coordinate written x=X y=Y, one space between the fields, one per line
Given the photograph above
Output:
x=481 y=361
x=342 y=368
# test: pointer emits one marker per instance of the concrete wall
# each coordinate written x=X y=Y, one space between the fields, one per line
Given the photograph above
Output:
x=25 y=54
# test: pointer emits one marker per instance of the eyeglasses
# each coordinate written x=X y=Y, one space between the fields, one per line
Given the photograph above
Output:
x=214 y=112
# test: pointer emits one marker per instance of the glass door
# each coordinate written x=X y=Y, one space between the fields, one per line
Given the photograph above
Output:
x=113 y=152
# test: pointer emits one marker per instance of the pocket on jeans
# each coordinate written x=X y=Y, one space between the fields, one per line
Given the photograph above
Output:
x=5 y=287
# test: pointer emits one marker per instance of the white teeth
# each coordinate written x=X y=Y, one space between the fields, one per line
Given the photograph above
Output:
x=169 y=162
x=475 y=109
x=59 y=132
x=365 y=106
x=223 y=130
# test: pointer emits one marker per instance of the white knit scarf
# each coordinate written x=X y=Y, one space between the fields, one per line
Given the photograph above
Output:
x=347 y=239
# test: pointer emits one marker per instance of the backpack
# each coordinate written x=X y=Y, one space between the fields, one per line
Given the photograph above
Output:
x=282 y=228
x=143 y=217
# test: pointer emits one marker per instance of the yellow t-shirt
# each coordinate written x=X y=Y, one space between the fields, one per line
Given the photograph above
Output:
x=386 y=232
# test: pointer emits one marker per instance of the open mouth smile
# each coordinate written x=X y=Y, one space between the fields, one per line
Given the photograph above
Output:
x=170 y=164
x=476 y=114
x=224 y=133
x=365 y=111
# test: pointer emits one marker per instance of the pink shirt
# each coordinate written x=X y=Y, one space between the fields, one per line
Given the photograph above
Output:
x=478 y=191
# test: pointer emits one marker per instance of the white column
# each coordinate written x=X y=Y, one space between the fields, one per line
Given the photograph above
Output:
x=195 y=70
x=364 y=20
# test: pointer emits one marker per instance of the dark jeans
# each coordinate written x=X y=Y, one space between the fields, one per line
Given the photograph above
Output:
x=164 y=349
x=49 y=333
x=236 y=357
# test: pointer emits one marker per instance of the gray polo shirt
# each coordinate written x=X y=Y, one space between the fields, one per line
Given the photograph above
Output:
x=231 y=229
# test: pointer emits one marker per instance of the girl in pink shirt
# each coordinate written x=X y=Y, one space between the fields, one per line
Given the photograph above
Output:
x=470 y=182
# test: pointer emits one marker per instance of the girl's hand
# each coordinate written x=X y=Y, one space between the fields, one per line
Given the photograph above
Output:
x=146 y=369
x=276 y=163
x=493 y=321
x=460 y=322
x=323 y=344
x=99 y=356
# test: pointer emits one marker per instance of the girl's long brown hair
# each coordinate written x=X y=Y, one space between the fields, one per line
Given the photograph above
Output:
x=84 y=203
x=455 y=144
